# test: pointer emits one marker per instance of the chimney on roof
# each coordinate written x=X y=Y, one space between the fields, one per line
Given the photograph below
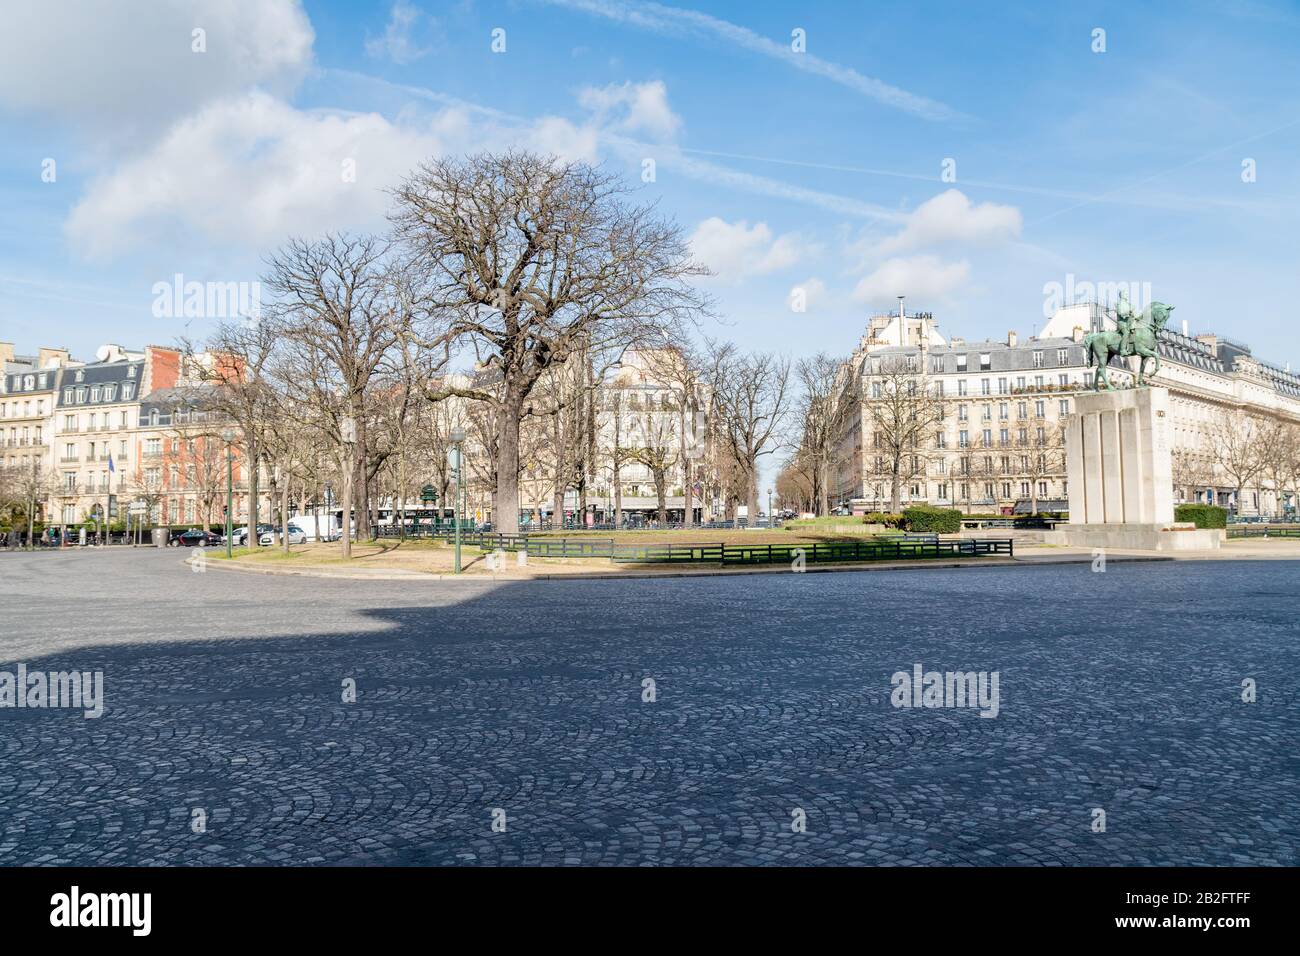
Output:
x=1207 y=339
x=1011 y=339
x=6 y=351
x=1186 y=333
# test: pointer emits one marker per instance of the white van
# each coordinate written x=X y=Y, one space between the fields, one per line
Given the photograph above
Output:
x=318 y=528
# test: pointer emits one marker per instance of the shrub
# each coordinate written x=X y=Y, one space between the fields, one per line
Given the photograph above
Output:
x=937 y=520
x=1204 y=516
x=888 y=518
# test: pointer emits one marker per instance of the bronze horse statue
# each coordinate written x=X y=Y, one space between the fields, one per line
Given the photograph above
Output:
x=1134 y=335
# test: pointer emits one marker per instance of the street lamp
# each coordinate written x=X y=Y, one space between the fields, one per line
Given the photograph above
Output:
x=228 y=436
x=458 y=508
x=769 y=508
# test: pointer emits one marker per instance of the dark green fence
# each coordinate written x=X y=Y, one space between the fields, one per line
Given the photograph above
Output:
x=892 y=548
x=1292 y=531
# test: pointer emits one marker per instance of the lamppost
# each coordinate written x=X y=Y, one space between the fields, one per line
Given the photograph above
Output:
x=458 y=509
x=769 y=509
x=228 y=436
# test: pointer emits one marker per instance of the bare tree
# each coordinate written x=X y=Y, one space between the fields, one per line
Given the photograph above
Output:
x=750 y=393
x=1042 y=456
x=903 y=415
x=1238 y=442
x=1280 y=452
x=341 y=310
x=1190 y=471
x=655 y=445
x=23 y=489
x=825 y=404
x=533 y=261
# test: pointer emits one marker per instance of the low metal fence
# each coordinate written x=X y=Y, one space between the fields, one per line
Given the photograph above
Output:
x=1292 y=531
x=893 y=548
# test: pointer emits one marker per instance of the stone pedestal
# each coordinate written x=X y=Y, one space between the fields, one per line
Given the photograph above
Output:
x=1119 y=470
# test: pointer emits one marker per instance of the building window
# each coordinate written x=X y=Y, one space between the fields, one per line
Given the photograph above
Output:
x=986 y=361
x=1065 y=406
x=1062 y=356
x=1038 y=359
x=962 y=412
x=1040 y=409
x=984 y=387
x=1002 y=386
x=961 y=363
x=961 y=386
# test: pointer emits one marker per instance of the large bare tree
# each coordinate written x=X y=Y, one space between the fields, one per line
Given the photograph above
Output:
x=533 y=260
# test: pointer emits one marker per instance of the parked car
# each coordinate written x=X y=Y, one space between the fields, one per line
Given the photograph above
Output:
x=240 y=535
x=193 y=538
x=296 y=535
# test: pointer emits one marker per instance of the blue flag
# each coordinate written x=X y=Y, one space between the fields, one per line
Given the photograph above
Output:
x=110 y=462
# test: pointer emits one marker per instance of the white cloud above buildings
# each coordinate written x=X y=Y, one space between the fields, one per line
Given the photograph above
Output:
x=737 y=250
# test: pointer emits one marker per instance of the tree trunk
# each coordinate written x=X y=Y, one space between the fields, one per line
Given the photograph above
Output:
x=895 y=493
x=661 y=491
x=507 y=496
x=752 y=491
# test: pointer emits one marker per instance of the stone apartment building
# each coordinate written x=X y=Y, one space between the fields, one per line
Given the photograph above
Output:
x=1004 y=405
x=133 y=424
x=28 y=391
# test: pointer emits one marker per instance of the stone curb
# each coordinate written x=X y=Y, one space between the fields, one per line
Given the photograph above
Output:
x=398 y=575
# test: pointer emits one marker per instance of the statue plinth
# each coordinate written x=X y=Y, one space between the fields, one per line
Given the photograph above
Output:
x=1118 y=466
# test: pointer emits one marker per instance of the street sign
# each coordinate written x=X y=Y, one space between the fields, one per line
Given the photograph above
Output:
x=137 y=507
x=112 y=506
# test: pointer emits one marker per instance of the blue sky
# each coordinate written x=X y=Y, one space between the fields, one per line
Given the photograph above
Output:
x=818 y=170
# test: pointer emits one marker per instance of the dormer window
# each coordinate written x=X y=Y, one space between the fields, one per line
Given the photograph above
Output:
x=130 y=373
x=81 y=375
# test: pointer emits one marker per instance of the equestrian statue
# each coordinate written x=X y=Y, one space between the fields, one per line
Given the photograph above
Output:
x=1134 y=335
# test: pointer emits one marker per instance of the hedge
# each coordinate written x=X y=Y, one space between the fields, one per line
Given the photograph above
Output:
x=937 y=520
x=888 y=518
x=1205 y=516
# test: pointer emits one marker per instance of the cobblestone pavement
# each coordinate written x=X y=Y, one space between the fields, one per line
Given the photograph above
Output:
x=224 y=693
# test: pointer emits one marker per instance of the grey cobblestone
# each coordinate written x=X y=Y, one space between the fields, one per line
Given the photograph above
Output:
x=224 y=692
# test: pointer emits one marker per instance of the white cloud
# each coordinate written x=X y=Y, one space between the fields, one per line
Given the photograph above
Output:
x=252 y=170
x=952 y=217
x=397 y=44
x=129 y=67
x=924 y=277
x=633 y=108
x=736 y=250
x=553 y=134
